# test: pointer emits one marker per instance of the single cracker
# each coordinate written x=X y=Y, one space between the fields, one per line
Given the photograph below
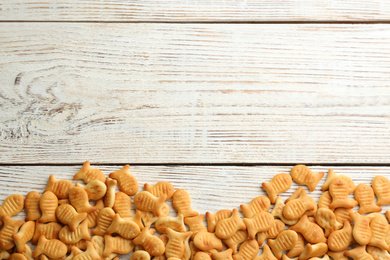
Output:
x=95 y=189
x=331 y=176
x=174 y=223
x=298 y=247
x=301 y=174
x=176 y=246
x=206 y=241
x=12 y=205
x=379 y=228
x=60 y=188
x=248 y=250
x=359 y=253
x=233 y=242
x=122 y=205
x=343 y=214
x=140 y=255
x=338 y=189
x=90 y=253
x=146 y=201
x=88 y=174
x=10 y=227
x=78 y=198
x=285 y=241
x=294 y=209
x=196 y=224
x=277 y=211
x=124 y=227
x=67 y=215
x=312 y=232
x=261 y=222
x=160 y=188
x=182 y=202
x=362 y=232
x=279 y=183
x=152 y=244
x=104 y=220
x=325 y=200
x=49 y=230
x=98 y=244
x=48 y=205
x=339 y=240
x=226 y=228
x=52 y=248
x=266 y=255
x=378 y=253
x=117 y=245
x=365 y=196
x=31 y=204
x=316 y=250
x=258 y=204
x=213 y=219
x=381 y=186
x=273 y=232
x=224 y=255
x=24 y=235
x=126 y=182
x=109 y=199
x=149 y=218
x=327 y=220
x=81 y=232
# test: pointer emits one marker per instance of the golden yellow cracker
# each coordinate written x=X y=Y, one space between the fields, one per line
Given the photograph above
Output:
x=381 y=186
x=187 y=249
x=73 y=252
x=233 y=242
x=261 y=222
x=327 y=220
x=48 y=205
x=206 y=241
x=198 y=256
x=140 y=255
x=298 y=247
x=89 y=254
x=12 y=205
x=226 y=228
x=339 y=240
x=316 y=250
x=273 y=232
x=122 y=205
x=284 y=241
x=117 y=245
x=331 y=176
x=137 y=218
x=361 y=230
x=338 y=189
x=87 y=173
x=82 y=244
x=49 y=230
x=176 y=246
x=358 y=253
x=27 y=252
x=126 y=228
x=312 y=232
x=338 y=255
x=4 y=254
x=160 y=188
x=146 y=201
x=152 y=244
x=182 y=202
x=109 y=199
x=175 y=223
x=81 y=232
x=78 y=198
x=92 y=216
x=224 y=255
x=248 y=250
x=127 y=182
x=11 y=226
x=195 y=224
x=266 y=255
x=277 y=211
x=213 y=219
x=301 y=174
x=24 y=235
x=343 y=214
x=63 y=201
x=325 y=200
x=60 y=188
x=31 y=204
x=104 y=220
x=295 y=208
x=378 y=253
x=17 y=256
x=52 y=248
x=95 y=189
x=279 y=183
x=379 y=228
x=365 y=196
x=258 y=204
x=67 y=215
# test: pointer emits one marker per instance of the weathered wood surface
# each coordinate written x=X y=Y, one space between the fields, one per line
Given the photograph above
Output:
x=197 y=10
x=194 y=93
x=211 y=187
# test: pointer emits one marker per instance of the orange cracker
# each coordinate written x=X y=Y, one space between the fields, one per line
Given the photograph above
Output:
x=146 y=201
x=365 y=196
x=206 y=241
x=213 y=219
x=248 y=250
x=87 y=173
x=227 y=227
x=160 y=188
x=95 y=189
x=182 y=202
x=261 y=222
x=258 y=204
x=284 y=241
x=60 y=188
x=78 y=198
x=11 y=226
x=331 y=176
x=126 y=228
x=127 y=182
x=381 y=186
x=338 y=189
x=279 y=183
x=31 y=204
x=301 y=174
x=52 y=248
x=339 y=240
x=152 y=244
x=312 y=232
x=67 y=215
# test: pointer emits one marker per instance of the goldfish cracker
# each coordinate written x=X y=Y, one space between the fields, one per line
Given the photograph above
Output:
x=206 y=241
x=199 y=256
x=127 y=182
x=90 y=253
x=12 y=205
x=325 y=200
x=298 y=247
x=312 y=232
x=78 y=198
x=316 y=250
x=140 y=255
x=295 y=209
x=122 y=205
x=213 y=219
x=378 y=253
x=49 y=230
x=152 y=244
x=261 y=222
x=266 y=255
x=338 y=255
x=327 y=220
x=248 y=250
x=81 y=232
x=224 y=255
x=258 y=204
x=92 y=216
x=365 y=196
x=176 y=243
x=381 y=187
x=233 y=242
x=181 y=201
x=339 y=240
x=31 y=204
x=195 y=224
x=227 y=227
x=362 y=232
x=331 y=176
x=175 y=223
x=273 y=232
x=358 y=253
x=301 y=174
x=17 y=256
x=109 y=198
x=104 y=220
x=24 y=235
x=117 y=245
x=145 y=201
x=60 y=188
x=126 y=228
x=379 y=228
x=279 y=183
x=277 y=211
x=160 y=188
x=73 y=252
x=67 y=215
x=284 y=241
x=343 y=214
x=95 y=189
x=11 y=226
x=338 y=189
x=52 y=248
x=88 y=174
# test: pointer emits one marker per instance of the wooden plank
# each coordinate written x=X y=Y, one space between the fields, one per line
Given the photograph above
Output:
x=194 y=93
x=200 y=10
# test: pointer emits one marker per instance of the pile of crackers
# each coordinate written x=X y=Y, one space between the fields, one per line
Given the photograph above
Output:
x=64 y=224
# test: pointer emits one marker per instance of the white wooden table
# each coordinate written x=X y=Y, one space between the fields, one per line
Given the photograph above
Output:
x=213 y=96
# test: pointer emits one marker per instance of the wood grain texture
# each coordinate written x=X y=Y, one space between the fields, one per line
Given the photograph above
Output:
x=197 y=10
x=194 y=93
